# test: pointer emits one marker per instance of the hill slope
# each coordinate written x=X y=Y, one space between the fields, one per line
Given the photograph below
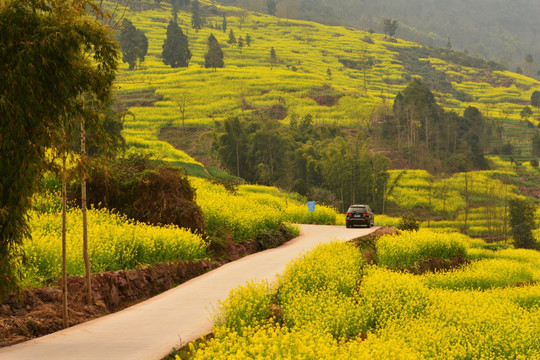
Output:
x=316 y=62
x=493 y=29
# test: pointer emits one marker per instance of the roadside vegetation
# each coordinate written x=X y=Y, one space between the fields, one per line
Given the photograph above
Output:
x=331 y=304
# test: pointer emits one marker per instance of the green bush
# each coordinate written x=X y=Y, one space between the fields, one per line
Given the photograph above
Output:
x=409 y=223
x=273 y=238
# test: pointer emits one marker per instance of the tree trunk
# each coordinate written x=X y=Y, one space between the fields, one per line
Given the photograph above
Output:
x=84 y=219
x=64 y=252
x=237 y=160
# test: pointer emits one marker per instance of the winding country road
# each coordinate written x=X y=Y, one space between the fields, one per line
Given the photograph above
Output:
x=151 y=329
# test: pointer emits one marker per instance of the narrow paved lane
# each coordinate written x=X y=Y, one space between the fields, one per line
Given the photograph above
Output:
x=151 y=329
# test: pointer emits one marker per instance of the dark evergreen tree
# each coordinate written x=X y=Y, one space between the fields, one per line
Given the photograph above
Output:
x=134 y=44
x=224 y=23
x=176 y=51
x=214 y=57
x=196 y=20
x=232 y=38
x=248 y=40
x=535 y=99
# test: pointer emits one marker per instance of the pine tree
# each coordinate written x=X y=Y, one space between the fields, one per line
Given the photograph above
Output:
x=248 y=40
x=232 y=38
x=134 y=44
x=214 y=57
x=196 y=21
x=224 y=24
x=175 y=47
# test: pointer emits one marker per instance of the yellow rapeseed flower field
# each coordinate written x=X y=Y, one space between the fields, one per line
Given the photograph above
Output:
x=330 y=305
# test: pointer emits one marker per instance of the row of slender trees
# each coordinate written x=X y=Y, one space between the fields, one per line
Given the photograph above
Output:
x=319 y=161
x=49 y=48
x=432 y=138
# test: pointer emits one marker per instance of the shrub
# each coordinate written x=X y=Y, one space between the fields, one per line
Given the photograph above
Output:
x=273 y=238
x=144 y=190
x=408 y=223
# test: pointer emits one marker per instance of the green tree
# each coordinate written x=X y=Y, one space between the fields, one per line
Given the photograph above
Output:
x=230 y=145
x=240 y=43
x=176 y=51
x=224 y=23
x=526 y=113
x=248 y=40
x=134 y=44
x=536 y=144
x=390 y=26
x=522 y=223
x=47 y=48
x=214 y=57
x=535 y=99
x=271 y=7
x=232 y=38
x=196 y=20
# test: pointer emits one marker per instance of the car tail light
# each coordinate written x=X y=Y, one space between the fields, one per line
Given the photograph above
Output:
x=348 y=214
x=365 y=214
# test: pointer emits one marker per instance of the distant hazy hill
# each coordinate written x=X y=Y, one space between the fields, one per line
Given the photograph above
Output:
x=500 y=30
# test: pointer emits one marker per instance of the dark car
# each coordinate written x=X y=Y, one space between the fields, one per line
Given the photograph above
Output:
x=359 y=215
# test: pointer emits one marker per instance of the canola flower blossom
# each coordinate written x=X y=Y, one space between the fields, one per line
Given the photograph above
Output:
x=329 y=304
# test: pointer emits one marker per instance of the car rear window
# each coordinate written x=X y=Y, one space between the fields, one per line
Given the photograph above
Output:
x=357 y=208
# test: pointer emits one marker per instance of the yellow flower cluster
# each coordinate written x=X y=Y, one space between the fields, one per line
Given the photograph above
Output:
x=411 y=247
x=328 y=314
x=246 y=305
x=486 y=274
x=114 y=243
x=253 y=209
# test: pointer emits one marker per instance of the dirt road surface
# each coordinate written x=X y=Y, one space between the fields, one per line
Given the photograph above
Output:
x=151 y=329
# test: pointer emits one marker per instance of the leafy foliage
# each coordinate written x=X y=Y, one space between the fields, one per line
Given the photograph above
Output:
x=42 y=53
x=409 y=223
x=426 y=132
x=176 y=51
x=522 y=223
x=214 y=56
x=302 y=157
x=134 y=44
x=145 y=191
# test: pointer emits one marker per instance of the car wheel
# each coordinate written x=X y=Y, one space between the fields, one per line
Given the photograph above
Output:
x=347 y=225
x=368 y=225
